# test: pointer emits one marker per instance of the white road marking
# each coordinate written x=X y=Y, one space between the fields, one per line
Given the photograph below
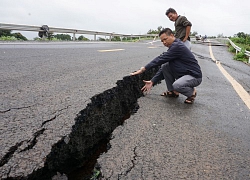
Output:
x=111 y=50
x=152 y=42
x=237 y=87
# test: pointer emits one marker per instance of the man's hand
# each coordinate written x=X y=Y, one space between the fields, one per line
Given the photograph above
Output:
x=138 y=72
x=147 y=87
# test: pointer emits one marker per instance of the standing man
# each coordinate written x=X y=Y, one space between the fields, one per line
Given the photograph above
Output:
x=182 y=26
x=179 y=68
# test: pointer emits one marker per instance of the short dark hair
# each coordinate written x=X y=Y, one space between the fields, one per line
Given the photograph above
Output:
x=167 y=31
x=170 y=10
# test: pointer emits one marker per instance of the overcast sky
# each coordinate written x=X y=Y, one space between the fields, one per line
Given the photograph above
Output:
x=128 y=16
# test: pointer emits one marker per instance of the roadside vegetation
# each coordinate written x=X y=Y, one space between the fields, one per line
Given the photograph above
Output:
x=241 y=40
x=60 y=37
x=124 y=39
x=6 y=35
x=156 y=31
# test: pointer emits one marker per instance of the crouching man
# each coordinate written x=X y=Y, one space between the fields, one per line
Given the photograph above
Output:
x=179 y=68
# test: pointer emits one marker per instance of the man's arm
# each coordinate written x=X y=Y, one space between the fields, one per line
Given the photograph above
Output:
x=141 y=70
x=157 y=77
x=163 y=58
x=187 y=24
x=188 y=29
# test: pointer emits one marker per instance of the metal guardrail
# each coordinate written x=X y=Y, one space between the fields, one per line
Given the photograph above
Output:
x=238 y=49
x=65 y=30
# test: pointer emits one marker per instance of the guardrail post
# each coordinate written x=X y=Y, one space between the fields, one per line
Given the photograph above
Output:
x=95 y=37
x=74 y=36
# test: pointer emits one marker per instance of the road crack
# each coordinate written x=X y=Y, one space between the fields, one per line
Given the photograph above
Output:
x=203 y=57
x=53 y=118
x=17 y=108
x=10 y=153
x=93 y=125
x=131 y=167
x=235 y=69
x=5 y=159
x=33 y=142
x=49 y=120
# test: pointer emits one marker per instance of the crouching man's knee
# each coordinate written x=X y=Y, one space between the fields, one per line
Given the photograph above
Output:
x=177 y=86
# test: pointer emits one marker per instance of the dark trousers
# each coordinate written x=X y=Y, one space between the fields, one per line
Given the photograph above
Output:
x=184 y=85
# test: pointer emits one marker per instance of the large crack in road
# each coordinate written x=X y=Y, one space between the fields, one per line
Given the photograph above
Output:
x=93 y=125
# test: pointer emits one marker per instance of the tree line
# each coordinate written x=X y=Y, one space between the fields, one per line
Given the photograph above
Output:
x=8 y=35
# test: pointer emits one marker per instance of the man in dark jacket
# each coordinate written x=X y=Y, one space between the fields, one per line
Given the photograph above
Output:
x=179 y=68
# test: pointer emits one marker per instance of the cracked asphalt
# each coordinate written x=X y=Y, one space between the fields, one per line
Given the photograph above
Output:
x=44 y=86
x=167 y=139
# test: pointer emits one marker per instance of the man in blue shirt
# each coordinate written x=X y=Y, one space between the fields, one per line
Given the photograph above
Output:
x=179 y=68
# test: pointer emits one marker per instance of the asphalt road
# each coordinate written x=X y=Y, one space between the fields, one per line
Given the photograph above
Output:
x=44 y=86
x=168 y=139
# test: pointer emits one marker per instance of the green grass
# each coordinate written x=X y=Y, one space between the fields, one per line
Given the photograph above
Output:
x=95 y=175
x=244 y=44
x=8 y=38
